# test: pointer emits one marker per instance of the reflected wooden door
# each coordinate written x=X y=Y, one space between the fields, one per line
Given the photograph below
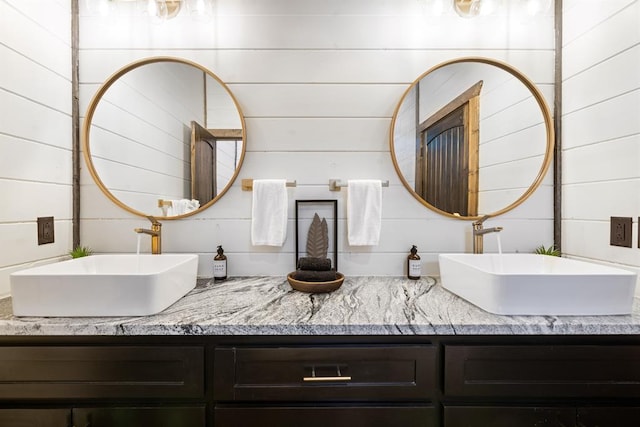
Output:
x=203 y=164
x=447 y=163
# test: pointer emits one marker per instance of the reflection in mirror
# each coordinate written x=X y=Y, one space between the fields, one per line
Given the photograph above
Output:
x=164 y=137
x=472 y=137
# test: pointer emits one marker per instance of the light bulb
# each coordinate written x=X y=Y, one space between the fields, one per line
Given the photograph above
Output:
x=157 y=10
x=487 y=7
x=467 y=8
x=435 y=7
x=536 y=7
x=100 y=7
x=200 y=9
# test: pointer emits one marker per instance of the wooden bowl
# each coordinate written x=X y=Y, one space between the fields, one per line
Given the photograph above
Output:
x=315 y=287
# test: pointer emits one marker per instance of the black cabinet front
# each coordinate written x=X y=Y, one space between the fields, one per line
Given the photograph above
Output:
x=608 y=417
x=336 y=416
x=81 y=372
x=339 y=373
x=426 y=381
x=504 y=416
x=542 y=371
x=140 y=416
x=35 y=417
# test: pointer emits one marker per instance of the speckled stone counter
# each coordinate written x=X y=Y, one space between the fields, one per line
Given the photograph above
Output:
x=362 y=306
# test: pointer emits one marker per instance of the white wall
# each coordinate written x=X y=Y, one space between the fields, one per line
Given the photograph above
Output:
x=601 y=127
x=35 y=131
x=318 y=83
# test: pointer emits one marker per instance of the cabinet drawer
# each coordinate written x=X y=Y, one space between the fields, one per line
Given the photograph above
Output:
x=497 y=416
x=325 y=374
x=542 y=371
x=101 y=372
x=35 y=417
x=608 y=416
x=166 y=416
x=406 y=416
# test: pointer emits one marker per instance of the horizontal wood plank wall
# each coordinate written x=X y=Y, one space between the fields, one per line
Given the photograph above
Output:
x=601 y=127
x=318 y=82
x=35 y=131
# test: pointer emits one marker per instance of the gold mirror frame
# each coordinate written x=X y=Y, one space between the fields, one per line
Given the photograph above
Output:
x=86 y=129
x=548 y=120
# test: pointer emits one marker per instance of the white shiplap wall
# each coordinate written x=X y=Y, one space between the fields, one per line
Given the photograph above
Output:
x=601 y=127
x=35 y=131
x=318 y=83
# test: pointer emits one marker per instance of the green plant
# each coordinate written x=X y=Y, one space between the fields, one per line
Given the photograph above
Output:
x=80 y=251
x=551 y=250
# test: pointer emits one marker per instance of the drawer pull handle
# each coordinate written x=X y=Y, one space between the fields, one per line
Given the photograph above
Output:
x=320 y=379
x=338 y=377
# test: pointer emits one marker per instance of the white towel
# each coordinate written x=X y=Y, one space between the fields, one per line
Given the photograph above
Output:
x=364 y=212
x=182 y=206
x=269 y=212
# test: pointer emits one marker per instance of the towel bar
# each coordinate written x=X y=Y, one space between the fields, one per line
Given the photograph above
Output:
x=336 y=184
x=165 y=205
x=247 y=184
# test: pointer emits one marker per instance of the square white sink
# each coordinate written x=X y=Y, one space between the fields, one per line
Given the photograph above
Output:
x=531 y=284
x=104 y=285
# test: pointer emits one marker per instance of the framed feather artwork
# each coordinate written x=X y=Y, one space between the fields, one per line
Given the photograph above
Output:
x=317 y=231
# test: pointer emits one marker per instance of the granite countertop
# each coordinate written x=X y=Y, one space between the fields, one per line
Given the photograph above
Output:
x=362 y=306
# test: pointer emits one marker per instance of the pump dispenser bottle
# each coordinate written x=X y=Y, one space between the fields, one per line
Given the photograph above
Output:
x=414 y=267
x=220 y=265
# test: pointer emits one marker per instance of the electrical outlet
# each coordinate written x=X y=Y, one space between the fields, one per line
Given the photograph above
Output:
x=45 y=230
x=621 y=231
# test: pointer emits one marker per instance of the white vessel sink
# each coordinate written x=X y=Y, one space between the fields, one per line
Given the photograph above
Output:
x=530 y=284
x=104 y=285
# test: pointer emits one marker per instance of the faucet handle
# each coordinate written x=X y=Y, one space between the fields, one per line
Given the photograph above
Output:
x=481 y=220
x=153 y=220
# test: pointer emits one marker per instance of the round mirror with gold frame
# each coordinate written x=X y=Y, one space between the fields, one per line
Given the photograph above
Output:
x=472 y=137
x=164 y=137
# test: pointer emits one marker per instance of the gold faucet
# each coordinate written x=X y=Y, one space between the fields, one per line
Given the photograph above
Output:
x=478 y=234
x=155 y=233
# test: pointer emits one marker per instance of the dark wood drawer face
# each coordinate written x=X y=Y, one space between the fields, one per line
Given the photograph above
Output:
x=499 y=416
x=542 y=371
x=166 y=416
x=608 y=416
x=325 y=374
x=406 y=416
x=40 y=417
x=101 y=372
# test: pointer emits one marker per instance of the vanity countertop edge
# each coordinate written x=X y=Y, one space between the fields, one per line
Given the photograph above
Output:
x=375 y=305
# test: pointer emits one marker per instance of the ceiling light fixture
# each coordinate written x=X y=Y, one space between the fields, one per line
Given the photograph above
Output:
x=158 y=10
x=473 y=8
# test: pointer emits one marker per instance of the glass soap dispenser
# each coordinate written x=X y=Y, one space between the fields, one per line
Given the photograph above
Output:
x=220 y=265
x=414 y=266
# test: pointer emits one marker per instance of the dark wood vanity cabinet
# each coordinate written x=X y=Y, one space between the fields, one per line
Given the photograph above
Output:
x=375 y=381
